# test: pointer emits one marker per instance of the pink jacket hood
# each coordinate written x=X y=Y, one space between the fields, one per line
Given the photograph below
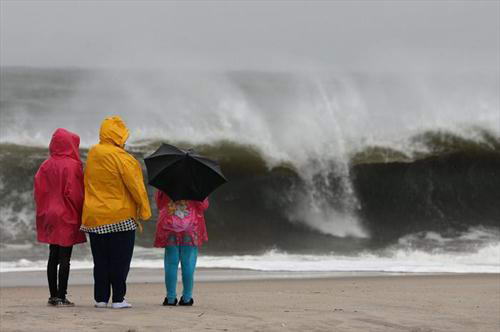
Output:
x=64 y=143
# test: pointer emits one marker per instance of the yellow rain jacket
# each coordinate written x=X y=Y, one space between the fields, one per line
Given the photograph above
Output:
x=114 y=187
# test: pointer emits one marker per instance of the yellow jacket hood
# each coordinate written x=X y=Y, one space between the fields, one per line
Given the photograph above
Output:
x=113 y=131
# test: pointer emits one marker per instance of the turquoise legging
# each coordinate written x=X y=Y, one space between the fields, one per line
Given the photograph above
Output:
x=187 y=256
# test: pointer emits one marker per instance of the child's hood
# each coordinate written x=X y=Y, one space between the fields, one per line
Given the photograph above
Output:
x=65 y=143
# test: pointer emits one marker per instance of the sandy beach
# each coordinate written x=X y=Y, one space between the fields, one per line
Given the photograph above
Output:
x=355 y=303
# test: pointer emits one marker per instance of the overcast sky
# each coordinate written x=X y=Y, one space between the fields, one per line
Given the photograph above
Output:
x=251 y=35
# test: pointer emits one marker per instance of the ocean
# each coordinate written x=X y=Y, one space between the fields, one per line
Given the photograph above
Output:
x=328 y=171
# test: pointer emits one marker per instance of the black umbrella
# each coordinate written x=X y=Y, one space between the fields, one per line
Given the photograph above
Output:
x=183 y=174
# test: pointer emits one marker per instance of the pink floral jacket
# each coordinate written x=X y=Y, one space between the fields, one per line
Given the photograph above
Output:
x=180 y=222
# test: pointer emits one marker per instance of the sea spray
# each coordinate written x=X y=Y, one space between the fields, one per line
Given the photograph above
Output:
x=328 y=202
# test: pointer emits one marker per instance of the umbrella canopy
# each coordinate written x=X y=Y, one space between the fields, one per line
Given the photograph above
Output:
x=183 y=174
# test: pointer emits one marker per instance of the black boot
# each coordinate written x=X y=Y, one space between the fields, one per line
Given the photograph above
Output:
x=165 y=302
x=182 y=302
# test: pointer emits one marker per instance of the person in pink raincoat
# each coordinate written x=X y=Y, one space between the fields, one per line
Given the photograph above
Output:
x=58 y=191
x=180 y=229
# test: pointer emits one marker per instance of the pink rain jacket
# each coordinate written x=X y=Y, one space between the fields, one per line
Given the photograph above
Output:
x=59 y=192
x=180 y=222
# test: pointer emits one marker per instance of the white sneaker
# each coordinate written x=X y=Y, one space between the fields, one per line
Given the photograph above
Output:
x=101 y=305
x=121 y=305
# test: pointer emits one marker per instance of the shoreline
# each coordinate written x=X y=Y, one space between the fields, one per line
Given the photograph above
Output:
x=156 y=275
x=423 y=303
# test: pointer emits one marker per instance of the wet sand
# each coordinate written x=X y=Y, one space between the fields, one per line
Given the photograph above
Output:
x=345 y=303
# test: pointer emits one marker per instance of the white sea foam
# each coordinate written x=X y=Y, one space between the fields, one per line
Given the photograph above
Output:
x=485 y=260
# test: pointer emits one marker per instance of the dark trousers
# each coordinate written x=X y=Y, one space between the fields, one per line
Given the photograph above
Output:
x=112 y=255
x=58 y=256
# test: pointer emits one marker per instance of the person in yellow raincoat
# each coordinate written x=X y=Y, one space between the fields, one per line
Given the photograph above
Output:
x=115 y=200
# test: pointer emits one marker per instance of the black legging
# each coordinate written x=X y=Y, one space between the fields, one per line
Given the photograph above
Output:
x=58 y=256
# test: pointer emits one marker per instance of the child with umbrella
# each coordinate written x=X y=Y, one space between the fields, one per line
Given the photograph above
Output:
x=184 y=180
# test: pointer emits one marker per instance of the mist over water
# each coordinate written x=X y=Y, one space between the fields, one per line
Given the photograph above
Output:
x=334 y=112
